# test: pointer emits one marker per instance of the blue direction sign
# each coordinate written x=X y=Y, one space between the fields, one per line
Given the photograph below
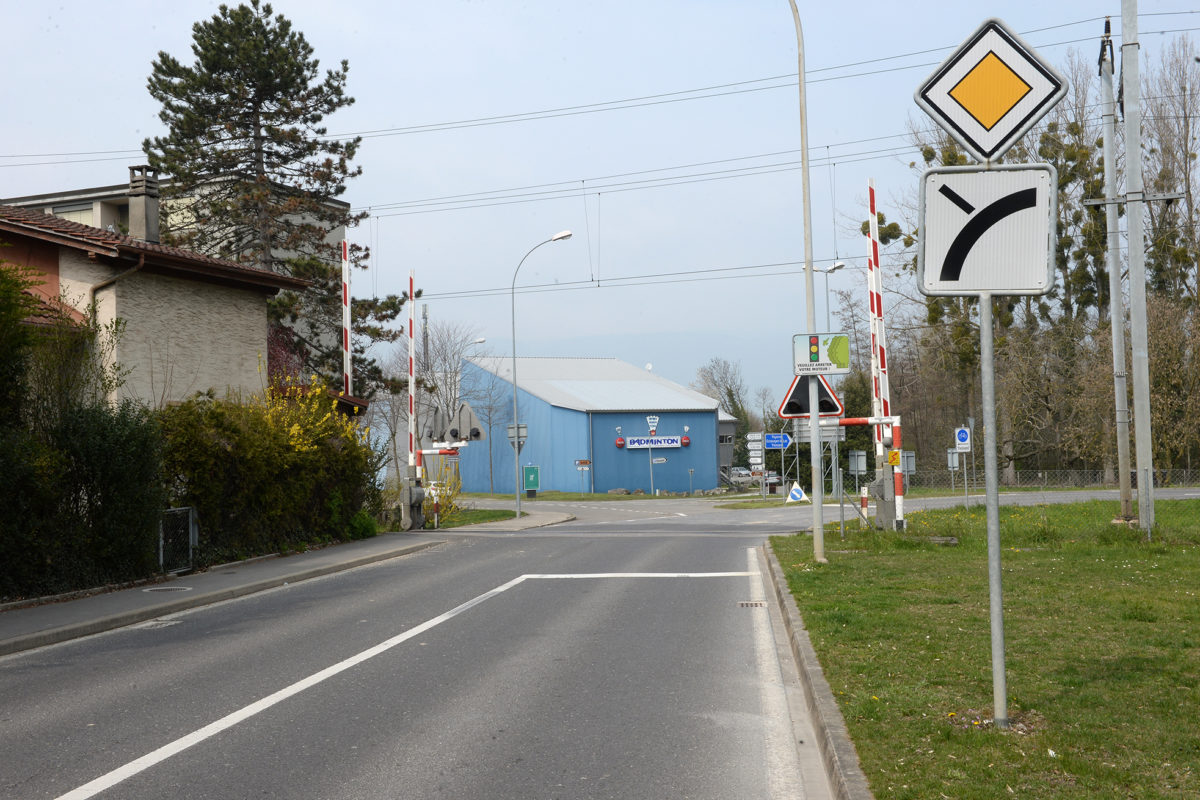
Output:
x=777 y=441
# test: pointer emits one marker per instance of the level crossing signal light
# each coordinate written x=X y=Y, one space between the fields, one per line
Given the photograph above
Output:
x=814 y=348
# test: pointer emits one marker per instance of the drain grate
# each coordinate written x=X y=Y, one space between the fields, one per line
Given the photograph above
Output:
x=752 y=604
x=168 y=589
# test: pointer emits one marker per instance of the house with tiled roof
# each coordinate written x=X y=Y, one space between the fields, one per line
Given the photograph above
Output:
x=191 y=322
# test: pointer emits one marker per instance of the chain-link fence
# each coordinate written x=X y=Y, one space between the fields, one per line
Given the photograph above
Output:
x=1043 y=479
x=178 y=535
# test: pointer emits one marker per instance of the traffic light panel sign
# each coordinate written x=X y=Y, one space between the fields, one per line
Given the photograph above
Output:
x=821 y=353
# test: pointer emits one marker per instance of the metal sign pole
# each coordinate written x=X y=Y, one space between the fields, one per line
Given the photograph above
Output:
x=966 y=489
x=986 y=111
x=991 y=477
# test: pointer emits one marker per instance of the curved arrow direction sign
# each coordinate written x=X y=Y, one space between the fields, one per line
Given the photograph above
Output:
x=987 y=230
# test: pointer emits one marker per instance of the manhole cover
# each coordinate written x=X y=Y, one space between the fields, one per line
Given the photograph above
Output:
x=168 y=589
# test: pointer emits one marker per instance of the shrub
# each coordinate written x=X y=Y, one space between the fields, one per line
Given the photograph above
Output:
x=272 y=474
x=443 y=490
x=80 y=492
x=81 y=504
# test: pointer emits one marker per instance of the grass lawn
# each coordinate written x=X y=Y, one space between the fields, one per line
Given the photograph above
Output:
x=1102 y=644
x=755 y=502
x=586 y=497
x=471 y=516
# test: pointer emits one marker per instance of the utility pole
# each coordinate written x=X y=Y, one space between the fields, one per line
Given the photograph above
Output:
x=1134 y=209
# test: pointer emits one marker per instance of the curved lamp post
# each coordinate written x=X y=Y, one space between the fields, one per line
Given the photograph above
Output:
x=814 y=429
x=832 y=268
x=558 y=237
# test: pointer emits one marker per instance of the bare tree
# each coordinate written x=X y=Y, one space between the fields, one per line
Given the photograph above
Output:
x=443 y=346
x=440 y=352
x=1172 y=121
x=722 y=381
x=388 y=413
x=489 y=399
x=854 y=317
x=765 y=399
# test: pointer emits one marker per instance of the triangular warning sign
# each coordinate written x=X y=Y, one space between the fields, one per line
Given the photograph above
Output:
x=795 y=401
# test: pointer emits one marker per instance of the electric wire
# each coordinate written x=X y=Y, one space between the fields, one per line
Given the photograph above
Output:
x=717 y=90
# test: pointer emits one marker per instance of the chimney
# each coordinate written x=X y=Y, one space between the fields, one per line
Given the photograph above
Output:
x=143 y=203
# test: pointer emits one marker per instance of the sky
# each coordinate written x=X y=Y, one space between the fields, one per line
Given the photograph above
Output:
x=664 y=134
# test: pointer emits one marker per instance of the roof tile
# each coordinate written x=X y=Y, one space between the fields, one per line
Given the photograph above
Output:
x=87 y=237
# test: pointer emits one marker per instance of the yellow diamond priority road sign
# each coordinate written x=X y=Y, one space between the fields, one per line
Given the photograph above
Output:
x=990 y=91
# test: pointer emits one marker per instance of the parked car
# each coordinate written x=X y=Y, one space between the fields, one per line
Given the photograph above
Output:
x=739 y=476
x=771 y=477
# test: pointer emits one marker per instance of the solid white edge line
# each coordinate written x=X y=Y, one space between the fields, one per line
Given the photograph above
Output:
x=783 y=767
x=586 y=575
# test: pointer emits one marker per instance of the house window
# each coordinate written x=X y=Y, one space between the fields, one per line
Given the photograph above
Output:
x=725 y=438
x=75 y=213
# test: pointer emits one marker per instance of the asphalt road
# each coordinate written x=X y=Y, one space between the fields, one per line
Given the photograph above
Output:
x=631 y=653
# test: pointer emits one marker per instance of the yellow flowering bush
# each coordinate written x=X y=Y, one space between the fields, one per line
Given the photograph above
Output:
x=278 y=472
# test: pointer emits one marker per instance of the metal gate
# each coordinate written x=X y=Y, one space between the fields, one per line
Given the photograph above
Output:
x=178 y=535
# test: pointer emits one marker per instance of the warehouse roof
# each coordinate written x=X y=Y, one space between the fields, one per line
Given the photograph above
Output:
x=597 y=384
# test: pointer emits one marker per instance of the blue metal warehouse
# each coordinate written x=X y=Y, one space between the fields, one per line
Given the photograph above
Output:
x=588 y=424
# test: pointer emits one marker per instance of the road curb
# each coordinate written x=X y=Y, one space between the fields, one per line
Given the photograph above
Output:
x=532 y=521
x=76 y=630
x=845 y=774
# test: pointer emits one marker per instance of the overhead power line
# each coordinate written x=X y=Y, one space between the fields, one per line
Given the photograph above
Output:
x=716 y=90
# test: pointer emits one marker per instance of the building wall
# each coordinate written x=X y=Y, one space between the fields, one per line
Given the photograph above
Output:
x=77 y=274
x=626 y=468
x=728 y=430
x=42 y=257
x=180 y=336
x=183 y=337
x=558 y=437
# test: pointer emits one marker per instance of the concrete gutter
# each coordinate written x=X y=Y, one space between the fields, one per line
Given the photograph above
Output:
x=845 y=774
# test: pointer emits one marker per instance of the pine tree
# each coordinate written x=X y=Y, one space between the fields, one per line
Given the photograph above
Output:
x=255 y=178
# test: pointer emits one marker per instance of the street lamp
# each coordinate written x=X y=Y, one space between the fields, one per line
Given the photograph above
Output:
x=814 y=424
x=558 y=237
x=834 y=268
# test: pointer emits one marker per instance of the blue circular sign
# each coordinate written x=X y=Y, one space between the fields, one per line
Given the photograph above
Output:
x=964 y=435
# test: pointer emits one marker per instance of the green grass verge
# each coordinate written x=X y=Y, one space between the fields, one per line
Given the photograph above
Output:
x=585 y=497
x=1102 y=646
x=757 y=502
x=471 y=517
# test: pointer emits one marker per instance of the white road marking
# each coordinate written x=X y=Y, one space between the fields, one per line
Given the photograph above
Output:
x=573 y=576
x=139 y=765
x=783 y=766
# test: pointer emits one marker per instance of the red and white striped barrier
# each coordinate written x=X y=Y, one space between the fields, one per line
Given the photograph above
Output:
x=346 y=362
x=413 y=463
x=882 y=399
